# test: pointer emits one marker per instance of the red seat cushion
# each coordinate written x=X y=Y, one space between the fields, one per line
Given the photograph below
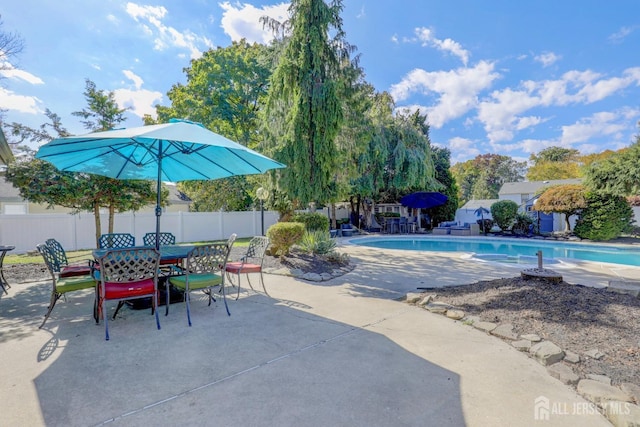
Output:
x=170 y=261
x=75 y=270
x=238 y=268
x=114 y=290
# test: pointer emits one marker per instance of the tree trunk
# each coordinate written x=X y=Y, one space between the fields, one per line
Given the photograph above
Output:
x=96 y=216
x=112 y=213
x=566 y=219
x=334 y=223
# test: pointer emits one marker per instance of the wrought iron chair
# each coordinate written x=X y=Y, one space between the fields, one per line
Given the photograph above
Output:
x=128 y=273
x=204 y=270
x=116 y=241
x=61 y=285
x=251 y=262
x=165 y=239
x=67 y=269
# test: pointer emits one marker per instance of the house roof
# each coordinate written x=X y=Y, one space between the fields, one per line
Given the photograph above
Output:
x=474 y=204
x=531 y=187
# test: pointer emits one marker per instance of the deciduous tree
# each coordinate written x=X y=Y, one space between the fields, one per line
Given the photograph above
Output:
x=567 y=199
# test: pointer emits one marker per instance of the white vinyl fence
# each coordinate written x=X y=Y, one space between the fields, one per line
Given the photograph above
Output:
x=78 y=231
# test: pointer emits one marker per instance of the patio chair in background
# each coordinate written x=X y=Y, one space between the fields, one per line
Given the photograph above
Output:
x=251 y=262
x=116 y=241
x=203 y=270
x=165 y=238
x=66 y=269
x=61 y=285
x=128 y=273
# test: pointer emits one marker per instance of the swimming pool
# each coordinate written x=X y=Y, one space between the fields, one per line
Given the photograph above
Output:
x=487 y=247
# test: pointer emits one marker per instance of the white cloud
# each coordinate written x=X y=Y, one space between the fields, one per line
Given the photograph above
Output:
x=500 y=112
x=243 y=20
x=139 y=101
x=457 y=89
x=151 y=22
x=24 y=104
x=426 y=36
x=394 y=38
x=622 y=33
x=8 y=71
x=547 y=58
x=462 y=149
x=599 y=124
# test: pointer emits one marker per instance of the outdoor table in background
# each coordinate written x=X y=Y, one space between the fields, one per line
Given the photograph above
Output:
x=3 y=281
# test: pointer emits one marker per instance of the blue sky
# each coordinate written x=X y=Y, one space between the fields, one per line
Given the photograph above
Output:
x=495 y=76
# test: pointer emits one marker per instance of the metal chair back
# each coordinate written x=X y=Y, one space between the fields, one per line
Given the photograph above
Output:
x=58 y=252
x=165 y=239
x=116 y=240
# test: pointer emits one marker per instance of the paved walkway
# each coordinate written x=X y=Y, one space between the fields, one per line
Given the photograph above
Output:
x=336 y=353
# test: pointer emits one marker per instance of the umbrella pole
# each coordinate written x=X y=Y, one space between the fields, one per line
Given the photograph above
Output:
x=158 y=194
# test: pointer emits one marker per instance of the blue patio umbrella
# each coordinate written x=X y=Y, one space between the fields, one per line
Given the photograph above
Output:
x=424 y=200
x=176 y=151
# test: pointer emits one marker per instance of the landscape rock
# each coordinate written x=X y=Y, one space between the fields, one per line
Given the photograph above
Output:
x=485 y=326
x=326 y=276
x=546 y=352
x=594 y=354
x=438 y=307
x=602 y=378
x=413 y=297
x=563 y=373
x=505 y=331
x=571 y=357
x=312 y=277
x=296 y=272
x=599 y=393
x=522 y=345
x=455 y=314
x=622 y=414
x=531 y=337
x=470 y=320
x=632 y=390
x=426 y=300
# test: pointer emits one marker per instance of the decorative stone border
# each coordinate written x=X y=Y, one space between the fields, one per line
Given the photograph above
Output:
x=311 y=277
x=618 y=403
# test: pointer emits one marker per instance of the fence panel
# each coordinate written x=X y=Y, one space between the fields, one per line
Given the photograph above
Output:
x=78 y=231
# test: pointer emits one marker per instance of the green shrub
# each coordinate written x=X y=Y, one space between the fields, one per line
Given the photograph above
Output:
x=337 y=258
x=312 y=221
x=283 y=235
x=317 y=242
x=485 y=225
x=504 y=213
x=521 y=224
x=605 y=217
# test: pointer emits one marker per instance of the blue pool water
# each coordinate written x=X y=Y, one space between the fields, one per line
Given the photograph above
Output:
x=510 y=248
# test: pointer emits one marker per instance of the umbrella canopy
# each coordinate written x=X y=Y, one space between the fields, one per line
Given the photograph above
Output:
x=424 y=200
x=481 y=211
x=173 y=152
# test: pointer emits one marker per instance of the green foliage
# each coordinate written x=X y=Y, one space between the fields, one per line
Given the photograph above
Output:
x=317 y=242
x=521 y=224
x=485 y=225
x=606 y=217
x=283 y=235
x=313 y=221
x=617 y=174
x=337 y=257
x=229 y=194
x=304 y=110
x=504 y=213
x=103 y=112
x=566 y=199
x=555 y=154
x=482 y=177
x=554 y=163
x=442 y=161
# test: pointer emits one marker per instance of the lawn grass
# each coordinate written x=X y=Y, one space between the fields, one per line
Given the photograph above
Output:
x=86 y=254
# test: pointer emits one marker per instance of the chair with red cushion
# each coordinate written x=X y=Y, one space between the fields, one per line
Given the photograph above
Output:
x=66 y=269
x=125 y=274
x=251 y=262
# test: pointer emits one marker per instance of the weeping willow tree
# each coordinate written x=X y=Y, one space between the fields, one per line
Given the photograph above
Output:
x=304 y=111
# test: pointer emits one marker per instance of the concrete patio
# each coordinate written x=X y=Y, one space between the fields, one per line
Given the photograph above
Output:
x=341 y=352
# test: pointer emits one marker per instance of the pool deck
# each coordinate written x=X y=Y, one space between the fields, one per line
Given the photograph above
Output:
x=340 y=352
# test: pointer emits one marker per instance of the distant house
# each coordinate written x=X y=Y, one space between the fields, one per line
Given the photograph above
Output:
x=12 y=204
x=524 y=194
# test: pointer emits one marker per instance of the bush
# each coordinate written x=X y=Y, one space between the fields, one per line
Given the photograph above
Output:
x=521 y=224
x=504 y=213
x=485 y=225
x=283 y=235
x=317 y=242
x=605 y=217
x=312 y=221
